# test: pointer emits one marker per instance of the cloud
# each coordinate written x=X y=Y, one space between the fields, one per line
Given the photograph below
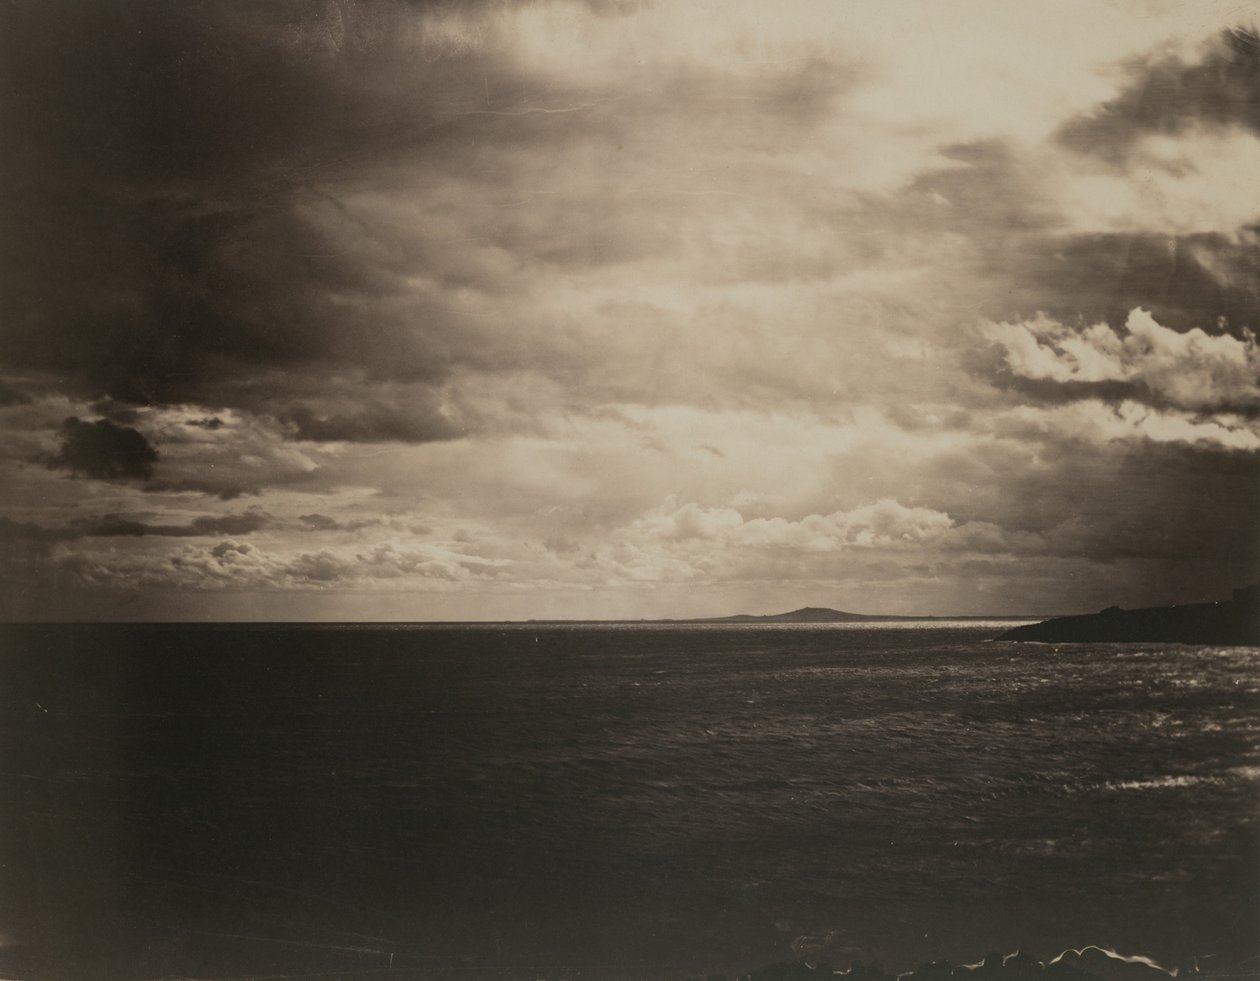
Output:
x=1173 y=153
x=527 y=275
x=689 y=541
x=1185 y=281
x=29 y=532
x=235 y=565
x=12 y=396
x=319 y=567
x=1019 y=229
x=1198 y=182
x=245 y=453
x=1188 y=370
x=104 y=450
x=1091 y=420
x=1167 y=221
x=372 y=422
x=432 y=194
x=121 y=526
x=225 y=550
x=1170 y=96
x=207 y=525
x=884 y=524
x=319 y=522
x=199 y=227
x=322 y=522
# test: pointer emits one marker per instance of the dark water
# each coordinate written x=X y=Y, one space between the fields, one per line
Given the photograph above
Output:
x=613 y=802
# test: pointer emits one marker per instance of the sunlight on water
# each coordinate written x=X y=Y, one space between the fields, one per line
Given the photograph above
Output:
x=622 y=801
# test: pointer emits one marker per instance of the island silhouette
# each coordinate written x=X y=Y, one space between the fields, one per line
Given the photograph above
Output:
x=1235 y=621
x=806 y=614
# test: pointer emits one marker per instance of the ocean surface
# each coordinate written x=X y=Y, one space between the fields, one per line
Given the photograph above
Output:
x=614 y=801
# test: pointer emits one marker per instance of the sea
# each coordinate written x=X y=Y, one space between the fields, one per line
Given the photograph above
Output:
x=616 y=802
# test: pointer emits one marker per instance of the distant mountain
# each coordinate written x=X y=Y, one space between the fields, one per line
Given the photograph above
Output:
x=806 y=614
x=1235 y=622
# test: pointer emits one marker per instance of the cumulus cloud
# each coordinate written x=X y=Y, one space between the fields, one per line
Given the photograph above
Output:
x=1092 y=420
x=883 y=524
x=232 y=564
x=689 y=541
x=318 y=567
x=243 y=453
x=1190 y=370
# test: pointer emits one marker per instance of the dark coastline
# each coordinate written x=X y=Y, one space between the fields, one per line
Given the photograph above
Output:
x=1234 y=622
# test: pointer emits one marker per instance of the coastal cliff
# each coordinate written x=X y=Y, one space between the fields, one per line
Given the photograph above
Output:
x=1235 y=621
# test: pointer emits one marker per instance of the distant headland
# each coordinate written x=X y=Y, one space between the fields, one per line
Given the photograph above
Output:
x=1235 y=621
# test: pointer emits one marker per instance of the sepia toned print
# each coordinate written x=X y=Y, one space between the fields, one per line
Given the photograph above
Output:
x=572 y=489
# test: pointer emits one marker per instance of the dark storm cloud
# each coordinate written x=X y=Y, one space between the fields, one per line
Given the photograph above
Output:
x=166 y=221
x=1185 y=281
x=12 y=396
x=1045 y=391
x=1155 y=504
x=1169 y=96
x=104 y=450
x=1165 y=504
x=1014 y=232
x=115 y=525
x=120 y=526
x=249 y=199
x=999 y=199
x=25 y=531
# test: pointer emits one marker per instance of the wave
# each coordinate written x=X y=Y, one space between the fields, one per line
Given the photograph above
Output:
x=1091 y=962
x=1115 y=955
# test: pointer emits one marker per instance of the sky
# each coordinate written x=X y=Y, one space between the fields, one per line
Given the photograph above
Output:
x=615 y=309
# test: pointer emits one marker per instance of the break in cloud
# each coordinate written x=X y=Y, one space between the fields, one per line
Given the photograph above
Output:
x=577 y=309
